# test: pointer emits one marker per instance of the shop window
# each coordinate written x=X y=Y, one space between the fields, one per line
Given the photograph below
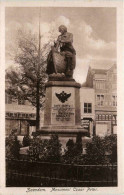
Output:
x=23 y=127
x=12 y=124
x=87 y=108
x=101 y=130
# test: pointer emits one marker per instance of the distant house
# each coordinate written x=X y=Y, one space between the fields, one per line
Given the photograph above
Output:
x=87 y=97
x=104 y=83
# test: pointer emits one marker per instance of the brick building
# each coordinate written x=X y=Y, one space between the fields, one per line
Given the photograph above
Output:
x=104 y=83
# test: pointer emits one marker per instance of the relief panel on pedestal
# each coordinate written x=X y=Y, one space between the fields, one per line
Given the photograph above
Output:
x=63 y=106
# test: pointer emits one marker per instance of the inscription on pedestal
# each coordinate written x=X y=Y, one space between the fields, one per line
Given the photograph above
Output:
x=63 y=112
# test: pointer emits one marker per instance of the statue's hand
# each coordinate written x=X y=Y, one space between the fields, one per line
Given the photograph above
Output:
x=62 y=53
x=59 y=39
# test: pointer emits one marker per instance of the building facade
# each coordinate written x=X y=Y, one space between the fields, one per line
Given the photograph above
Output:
x=104 y=83
x=19 y=115
x=87 y=98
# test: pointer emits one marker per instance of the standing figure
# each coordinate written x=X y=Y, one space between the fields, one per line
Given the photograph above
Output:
x=65 y=41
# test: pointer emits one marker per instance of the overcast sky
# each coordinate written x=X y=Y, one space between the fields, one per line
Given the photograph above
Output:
x=94 y=33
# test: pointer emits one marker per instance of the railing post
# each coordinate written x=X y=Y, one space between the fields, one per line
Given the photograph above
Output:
x=72 y=166
x=49 y=174
x=112 y=173
x=107 y=173
x=77 y=174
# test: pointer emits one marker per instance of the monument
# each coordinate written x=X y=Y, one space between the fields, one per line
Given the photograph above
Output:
x=62 y=106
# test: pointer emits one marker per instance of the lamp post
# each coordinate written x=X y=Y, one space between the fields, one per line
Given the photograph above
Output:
x=38 y=83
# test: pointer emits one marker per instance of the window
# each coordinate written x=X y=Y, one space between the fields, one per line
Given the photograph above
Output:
x=100 y=100
x=115 y=119
x=110 y=117
x=87 y=108
x=106 y=117
x=103 y=117
x=114 y=100
x=100 y=117
x=96 y=117
x=100 y=84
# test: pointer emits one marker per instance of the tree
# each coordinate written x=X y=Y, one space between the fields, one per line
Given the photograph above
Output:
x=26 y=140
x=95 y=151
x=53 y=151
x=45 y=150
x=78 y=144
x=110 y=145
x=37 y=149
x=73 y=151
x=28 y=82
x=70 y=152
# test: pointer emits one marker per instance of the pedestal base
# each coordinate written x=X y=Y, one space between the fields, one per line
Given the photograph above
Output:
x=62 y=108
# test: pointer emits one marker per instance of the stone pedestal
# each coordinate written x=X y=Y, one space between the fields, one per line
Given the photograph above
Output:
x=62 y=109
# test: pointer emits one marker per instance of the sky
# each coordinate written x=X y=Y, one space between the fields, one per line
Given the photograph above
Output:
x=93 y=29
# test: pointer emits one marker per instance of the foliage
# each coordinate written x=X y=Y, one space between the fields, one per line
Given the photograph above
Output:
x=50 y=150
x=74 y=150
x=12 y=145
x=95 y=152
x=110 y=144
x=45 y=150
x=26 y=140
x=101 y=150
x=37 y=146
x=23 y=82
x=54 y=149
x=69 y=155
x=78 y=144
x=28 y=83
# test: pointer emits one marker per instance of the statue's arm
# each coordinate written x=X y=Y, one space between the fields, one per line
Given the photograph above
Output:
x=67 y=39
x=57 y=44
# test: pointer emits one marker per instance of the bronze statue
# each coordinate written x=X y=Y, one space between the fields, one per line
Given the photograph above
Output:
x=64 y=61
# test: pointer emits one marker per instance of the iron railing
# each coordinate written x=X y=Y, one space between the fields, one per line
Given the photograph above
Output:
x=23 y=173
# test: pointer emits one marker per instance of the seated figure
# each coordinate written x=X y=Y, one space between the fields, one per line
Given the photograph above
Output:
x=65 y=60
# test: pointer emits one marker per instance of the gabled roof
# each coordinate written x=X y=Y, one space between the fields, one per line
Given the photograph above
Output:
x=102 y=64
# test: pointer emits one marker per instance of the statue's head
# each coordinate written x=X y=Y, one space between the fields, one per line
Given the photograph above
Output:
x=62 y=29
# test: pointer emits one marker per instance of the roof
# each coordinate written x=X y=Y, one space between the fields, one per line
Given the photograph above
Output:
x=99 y=71
x=102 y=64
